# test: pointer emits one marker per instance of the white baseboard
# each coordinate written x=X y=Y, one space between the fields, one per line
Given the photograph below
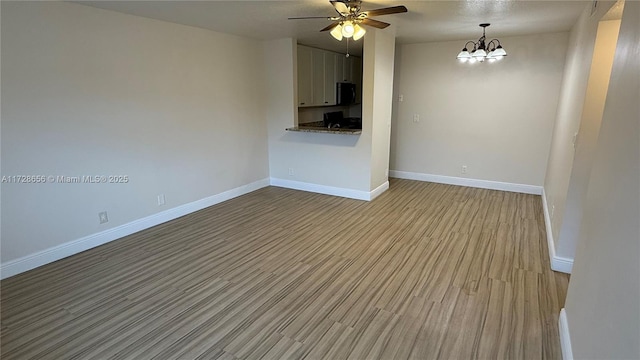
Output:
x=483 y=184
x=330 y=190
x=558 y=263
x=565 y=339
x=40 y=258
x=379 y=190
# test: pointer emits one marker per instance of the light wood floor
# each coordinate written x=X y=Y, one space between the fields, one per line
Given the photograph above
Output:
x=424 y=271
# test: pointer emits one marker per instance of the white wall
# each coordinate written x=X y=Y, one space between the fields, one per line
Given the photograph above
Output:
x=569 y=114
x=378 y=96
x=93 y=92
x=603 y=300
x=604 y=49
x=495 y=118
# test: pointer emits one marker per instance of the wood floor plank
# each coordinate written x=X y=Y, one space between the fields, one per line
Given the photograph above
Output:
x=424 y=271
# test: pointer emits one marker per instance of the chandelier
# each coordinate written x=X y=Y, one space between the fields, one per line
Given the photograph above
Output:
x=491 y=51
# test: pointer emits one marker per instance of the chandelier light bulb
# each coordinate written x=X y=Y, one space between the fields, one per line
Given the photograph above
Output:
x=464 y=55
x=499 y=51
x=348 y=29
x=337 y=32
x=359 y=32
x=480 y=54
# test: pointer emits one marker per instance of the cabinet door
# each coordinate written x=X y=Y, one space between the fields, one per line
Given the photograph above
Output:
x=305 y=76
x=329 y=78
x=357 y=78
x=318 y=76
x=347 y=63
x=338 y=68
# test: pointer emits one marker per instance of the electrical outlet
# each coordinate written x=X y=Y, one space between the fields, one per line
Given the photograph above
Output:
x=291 y=173
x=103 y=217
x=416 y=118
x=401 y=98
x=161 y=200
x=464 y=169
x=553 y=210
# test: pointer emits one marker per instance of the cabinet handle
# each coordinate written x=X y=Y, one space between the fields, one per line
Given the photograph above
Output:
x=326 y=102
x=301 y=103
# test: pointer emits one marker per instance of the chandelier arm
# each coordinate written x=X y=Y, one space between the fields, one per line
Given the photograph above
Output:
x=494 y=46
x=474 y=44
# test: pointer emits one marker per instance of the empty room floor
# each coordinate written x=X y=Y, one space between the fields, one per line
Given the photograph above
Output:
x=424 y=271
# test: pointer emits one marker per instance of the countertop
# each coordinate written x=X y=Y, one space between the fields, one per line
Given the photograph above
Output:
x=324 y=130
x=318 y=127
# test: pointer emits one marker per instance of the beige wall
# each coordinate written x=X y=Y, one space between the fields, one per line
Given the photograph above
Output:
x=603 y=300
x=569 y=114
x=93 y=92
x=604 y=49
x=495 y=118
x=379 y=60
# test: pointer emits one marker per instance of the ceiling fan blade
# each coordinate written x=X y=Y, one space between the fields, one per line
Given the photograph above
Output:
x=374 y=23
x=330 y=27
x=340 y=7
x=310 y=17
x=386 y=11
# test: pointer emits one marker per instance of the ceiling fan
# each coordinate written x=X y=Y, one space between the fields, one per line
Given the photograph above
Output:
x=350 y=17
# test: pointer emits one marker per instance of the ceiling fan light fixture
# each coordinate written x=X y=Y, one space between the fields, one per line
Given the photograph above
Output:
x=348 y=29
x=337 y=32
x=359 y=32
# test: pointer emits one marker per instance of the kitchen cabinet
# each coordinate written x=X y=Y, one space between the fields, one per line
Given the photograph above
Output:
x=329 y=79
x=350 y=70
x=338 y=67
x=305 y=76
x=319 y=71
x=318 y=77
x=347 y=66
x=356 y=76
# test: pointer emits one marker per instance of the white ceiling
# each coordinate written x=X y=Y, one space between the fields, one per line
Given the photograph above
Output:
x=426 y=20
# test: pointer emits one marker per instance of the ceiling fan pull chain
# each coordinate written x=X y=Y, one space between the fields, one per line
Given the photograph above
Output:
x=347 y=48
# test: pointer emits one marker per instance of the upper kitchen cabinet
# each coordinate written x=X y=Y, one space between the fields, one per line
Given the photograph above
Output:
x=339 y=67
x=319 y=71
x=356 y=76
x=348 y=69
x=329 y=95
x=318 y=67
x=305 y=76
